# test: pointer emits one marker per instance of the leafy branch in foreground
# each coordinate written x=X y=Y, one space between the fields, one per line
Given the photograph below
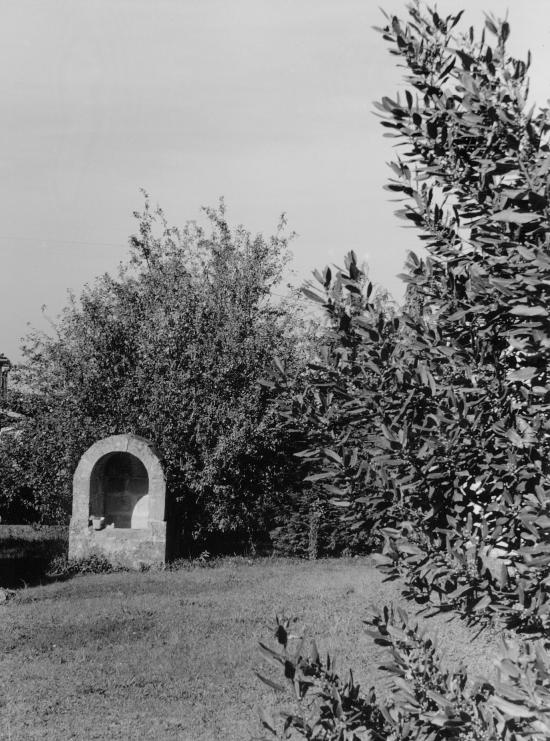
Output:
x=427 y=703
x=430 y=429
x=474 y=180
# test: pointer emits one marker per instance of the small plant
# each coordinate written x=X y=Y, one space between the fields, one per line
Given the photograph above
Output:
x=6 y=595
x=428 y=703
x=325 y=707
x=62 y=567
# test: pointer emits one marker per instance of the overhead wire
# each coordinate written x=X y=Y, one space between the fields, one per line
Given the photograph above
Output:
x=62 y=241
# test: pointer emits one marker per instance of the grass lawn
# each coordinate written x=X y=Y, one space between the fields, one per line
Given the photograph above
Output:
x=170 y=655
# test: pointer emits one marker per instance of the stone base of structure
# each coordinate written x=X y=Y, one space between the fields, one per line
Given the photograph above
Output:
x=132 y=549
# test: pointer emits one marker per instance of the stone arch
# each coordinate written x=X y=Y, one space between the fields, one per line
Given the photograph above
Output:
x=121 y=480
x=119 y=491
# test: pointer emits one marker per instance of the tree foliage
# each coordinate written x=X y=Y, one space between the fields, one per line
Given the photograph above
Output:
x=171 y=349
x=431 y=429
x=324 y=410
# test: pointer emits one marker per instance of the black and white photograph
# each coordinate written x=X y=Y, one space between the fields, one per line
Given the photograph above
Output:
x=274 y=370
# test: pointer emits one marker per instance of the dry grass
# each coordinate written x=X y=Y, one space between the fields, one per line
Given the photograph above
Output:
x=170 y=655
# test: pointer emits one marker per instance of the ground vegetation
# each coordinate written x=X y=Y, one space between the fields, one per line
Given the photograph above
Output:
x=172 y=654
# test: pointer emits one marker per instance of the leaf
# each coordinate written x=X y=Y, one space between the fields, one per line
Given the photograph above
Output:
x=447 y=69
x=336 y=490
x=320 y=476
x=524 y=310
x=265 y=382
x=397 y=633
x=274 y=685
x=483 y=603
x=515 y=438
x=317 y=275
x=440 y=700
x=510 y=216
x=491 y=26
x=332 y=455
x=381 y=560
x=466 y=59
x=312 y=295
x=459 y=592
x=410 y=549
x=456 y=18
x=511 y=708
x=267 y=721
x=390 y=104
x=438 y=719
x=523 y=374
x=270 y=654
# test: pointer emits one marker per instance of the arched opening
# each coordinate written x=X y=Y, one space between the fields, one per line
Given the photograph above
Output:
x=119 y=491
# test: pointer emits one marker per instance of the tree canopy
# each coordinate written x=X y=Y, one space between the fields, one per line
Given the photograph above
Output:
x=171 y=349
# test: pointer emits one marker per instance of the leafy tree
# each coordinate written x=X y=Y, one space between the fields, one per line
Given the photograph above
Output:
x=438 y=419
x=172 y=349
x=474 y=176
x=326 y=411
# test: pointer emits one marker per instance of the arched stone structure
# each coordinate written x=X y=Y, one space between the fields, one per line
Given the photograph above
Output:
x=119 y=503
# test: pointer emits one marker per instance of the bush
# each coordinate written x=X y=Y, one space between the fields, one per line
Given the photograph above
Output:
x=173 y=350
x=310 y=526
x=430 y=428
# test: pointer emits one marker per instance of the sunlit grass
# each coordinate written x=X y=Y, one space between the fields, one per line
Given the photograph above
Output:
x=170 y=655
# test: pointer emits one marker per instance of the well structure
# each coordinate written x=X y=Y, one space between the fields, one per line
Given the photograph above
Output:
x=119 y=503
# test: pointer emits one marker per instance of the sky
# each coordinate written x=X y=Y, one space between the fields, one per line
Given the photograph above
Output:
x=267 y=103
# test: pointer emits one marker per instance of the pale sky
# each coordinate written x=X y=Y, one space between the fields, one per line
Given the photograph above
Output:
x=266 y=102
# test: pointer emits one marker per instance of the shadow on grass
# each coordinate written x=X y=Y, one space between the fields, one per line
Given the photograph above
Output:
x=20 y=572
x=26 y=553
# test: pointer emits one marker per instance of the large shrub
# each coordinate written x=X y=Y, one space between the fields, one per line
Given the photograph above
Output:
x=474 y=176
x=326 y=412
x=431 y=428
x=171 y=349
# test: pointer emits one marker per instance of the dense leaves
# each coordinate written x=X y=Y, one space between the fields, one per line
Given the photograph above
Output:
x=474 y=174
x=430 y=429
x=326 y=411
x=172 y=349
